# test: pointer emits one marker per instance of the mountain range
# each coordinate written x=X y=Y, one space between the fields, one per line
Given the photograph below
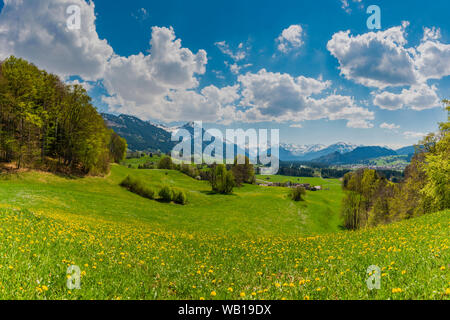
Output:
x=146 y=136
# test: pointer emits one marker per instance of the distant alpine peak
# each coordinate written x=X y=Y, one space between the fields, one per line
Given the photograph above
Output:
x=344 y=146
x=302 y=149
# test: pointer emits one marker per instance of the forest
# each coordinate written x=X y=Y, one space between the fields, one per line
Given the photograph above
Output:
x=372 y=200
x=47 y=124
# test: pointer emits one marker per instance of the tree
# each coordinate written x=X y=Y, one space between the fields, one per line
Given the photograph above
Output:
x=437 y=167
x=165 y=163
x=222 y=181
x=117 y=147
x=351 y=210
x=243 y=171
x=45 y=122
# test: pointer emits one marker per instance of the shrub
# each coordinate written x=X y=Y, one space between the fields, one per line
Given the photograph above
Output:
x=136 y=186
x=222 y=181
x=297 y=193
x=243 y=170
x=189 y=170
x=166 y=194
x=147 y=165
x=180 y=197
x=165 y=163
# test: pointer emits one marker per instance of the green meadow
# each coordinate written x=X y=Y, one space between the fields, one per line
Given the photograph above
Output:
x=253 y=244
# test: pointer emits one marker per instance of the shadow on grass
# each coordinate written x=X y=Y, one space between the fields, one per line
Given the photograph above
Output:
x=212 y=193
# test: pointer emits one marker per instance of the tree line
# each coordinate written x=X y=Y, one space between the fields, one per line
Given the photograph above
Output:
x=372 y=200
x=45 y=123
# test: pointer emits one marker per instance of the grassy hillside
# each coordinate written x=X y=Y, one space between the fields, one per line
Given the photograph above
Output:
x=254 y=244
x=251 y=209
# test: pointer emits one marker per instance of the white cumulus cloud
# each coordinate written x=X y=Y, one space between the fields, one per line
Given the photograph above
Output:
x=279 y=97
x=290 y=38
x=417 y=97
x=389 y=126
x=37 y=31
x=374 y=59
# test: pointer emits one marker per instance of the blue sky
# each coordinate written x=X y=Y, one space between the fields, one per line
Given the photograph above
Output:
x=251 y=64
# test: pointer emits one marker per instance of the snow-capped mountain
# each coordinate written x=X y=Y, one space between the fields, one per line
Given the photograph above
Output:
x=165 y=128
x=291 y=152
x=300 y=150
x=144 y=135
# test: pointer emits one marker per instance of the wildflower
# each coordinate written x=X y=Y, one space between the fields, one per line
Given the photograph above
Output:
x=213 y=294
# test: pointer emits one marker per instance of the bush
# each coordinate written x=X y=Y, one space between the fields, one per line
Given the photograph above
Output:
x=243 y=171
x=166 y=194
x=180 y=197
x=165 y=163
x=137 y=186
x=297 y=193
x=147 y=165
x=222 y=181
x=189 y=170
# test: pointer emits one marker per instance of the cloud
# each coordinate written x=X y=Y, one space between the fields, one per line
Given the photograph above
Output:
x=290 y=38
x=389 y=126
x=381 y=60
x=374 y=59
x=37 y=31
x=417 y=97
x=86 y=85
x=275 y=93
x=414 y=135
x=268 y=96
x=296 y=125
x=149 y=84
x=238 y=55
x=345 y=4
x=163 y=83
x=140 y=14
x=235 y=68
x=432 y=57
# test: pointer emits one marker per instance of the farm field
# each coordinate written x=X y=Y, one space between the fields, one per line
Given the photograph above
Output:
x=261 y=246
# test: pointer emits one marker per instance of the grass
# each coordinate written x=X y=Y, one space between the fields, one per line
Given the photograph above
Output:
x=135 y=162
x=252 y=209
x=255 y=244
